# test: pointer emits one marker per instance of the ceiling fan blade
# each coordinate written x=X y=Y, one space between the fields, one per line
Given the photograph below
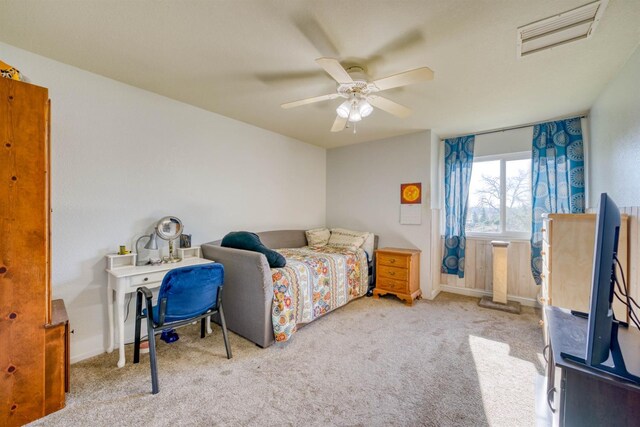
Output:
x=289 y=77
x=403 y=79
x=339 y=124
x=389 y=106
x=335 y=70
x=316 y=35
x=309 y=100
x=410 y=40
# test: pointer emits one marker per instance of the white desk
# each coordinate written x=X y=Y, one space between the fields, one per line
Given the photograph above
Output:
x=125 y=280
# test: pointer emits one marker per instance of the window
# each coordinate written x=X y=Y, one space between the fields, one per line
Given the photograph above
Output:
x=500 y=197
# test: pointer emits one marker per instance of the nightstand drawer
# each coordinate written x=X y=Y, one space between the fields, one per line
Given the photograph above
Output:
x=393 y=272
x=144 y=279
x=392 y=285
x=393 y=260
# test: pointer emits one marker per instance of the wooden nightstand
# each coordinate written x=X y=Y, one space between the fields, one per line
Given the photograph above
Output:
x=398 y=273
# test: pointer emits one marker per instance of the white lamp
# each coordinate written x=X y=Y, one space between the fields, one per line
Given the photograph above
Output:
x=355 y=113
x=152 y=244
x=365 y=108
x=343 y=109
x=354 y=109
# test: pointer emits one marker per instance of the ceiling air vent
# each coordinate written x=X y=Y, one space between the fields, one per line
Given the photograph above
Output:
x=566 y=27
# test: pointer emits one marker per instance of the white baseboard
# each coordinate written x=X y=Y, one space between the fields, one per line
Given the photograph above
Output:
x=79 y=357
x=529 y=302
x=434 y=293
x=429 y=295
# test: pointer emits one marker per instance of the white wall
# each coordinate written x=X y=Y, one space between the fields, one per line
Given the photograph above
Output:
x=123 y=157
x=615 y=138
x=503 y=142
x=363 y=192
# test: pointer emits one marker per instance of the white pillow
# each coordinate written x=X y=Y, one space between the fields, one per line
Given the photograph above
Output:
x=318 y=237
x=349 y=239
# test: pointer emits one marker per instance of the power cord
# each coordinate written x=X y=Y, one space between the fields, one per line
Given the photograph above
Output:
x=622 y=289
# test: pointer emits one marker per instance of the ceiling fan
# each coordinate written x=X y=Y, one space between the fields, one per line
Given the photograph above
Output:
x=360 y=94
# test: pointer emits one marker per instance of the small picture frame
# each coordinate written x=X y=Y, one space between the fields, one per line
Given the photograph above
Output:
x=185 y=240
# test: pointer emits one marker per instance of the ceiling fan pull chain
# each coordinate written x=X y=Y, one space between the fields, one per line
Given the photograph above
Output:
x=355 y=125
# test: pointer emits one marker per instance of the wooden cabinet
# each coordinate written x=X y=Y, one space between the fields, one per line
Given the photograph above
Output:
x=398 y=273
x=34 y=333
x=567 y=256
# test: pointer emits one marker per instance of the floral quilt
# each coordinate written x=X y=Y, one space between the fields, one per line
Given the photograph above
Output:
x=314 y=282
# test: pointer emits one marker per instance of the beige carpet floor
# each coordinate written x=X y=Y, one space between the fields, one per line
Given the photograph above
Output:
x=445 y=362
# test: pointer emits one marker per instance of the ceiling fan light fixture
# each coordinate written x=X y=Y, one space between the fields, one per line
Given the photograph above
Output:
x=355 y=115
x=365 y=109
x=344 y=109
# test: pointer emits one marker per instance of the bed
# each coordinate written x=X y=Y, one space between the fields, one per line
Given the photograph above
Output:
x=313 y=283
x=262 y=304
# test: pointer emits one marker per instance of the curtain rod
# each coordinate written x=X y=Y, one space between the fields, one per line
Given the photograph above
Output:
x=579 y=116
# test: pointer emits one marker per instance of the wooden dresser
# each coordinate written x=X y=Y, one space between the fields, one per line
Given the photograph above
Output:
x=567 y=258
x=34 y=331
x=398 y=273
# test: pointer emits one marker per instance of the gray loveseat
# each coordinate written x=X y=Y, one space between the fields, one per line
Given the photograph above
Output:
x=248 y=286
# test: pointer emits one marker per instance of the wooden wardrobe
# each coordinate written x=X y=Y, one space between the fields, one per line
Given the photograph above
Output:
x=34 y=331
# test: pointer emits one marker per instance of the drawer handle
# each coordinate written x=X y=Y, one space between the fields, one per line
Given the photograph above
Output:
x=393 y=273
x=544 y=353
x=146 y=279
x=392 y=261
x=550 y=399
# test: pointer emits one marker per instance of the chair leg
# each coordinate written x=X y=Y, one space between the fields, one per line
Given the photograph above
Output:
x=224 y=331
x=152 y=356
x=203 y=327
x=136 y=346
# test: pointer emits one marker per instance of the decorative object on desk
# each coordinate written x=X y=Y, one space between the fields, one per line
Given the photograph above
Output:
x=152 y=244
x=185 y=240
x=191 y=252
x=123 y=250
x=118 y=261
x=169 y=228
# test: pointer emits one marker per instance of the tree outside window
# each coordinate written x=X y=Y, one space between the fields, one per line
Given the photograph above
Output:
x=500 y=196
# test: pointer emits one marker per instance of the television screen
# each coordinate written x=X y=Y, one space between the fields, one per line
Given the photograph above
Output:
x=603 y=352
x=603 y=282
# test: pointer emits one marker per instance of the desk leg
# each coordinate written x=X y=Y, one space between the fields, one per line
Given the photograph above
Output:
x=209 y=330
x=120 y=307
x=110 y=313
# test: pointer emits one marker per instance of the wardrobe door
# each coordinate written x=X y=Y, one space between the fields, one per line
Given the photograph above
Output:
x=24 y=243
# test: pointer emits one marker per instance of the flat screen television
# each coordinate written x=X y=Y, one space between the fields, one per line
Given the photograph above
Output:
x=602 y=348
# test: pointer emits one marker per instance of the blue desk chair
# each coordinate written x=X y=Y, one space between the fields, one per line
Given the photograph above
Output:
x=186 y=294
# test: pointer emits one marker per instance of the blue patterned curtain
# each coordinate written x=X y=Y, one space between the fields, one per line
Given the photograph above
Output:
x=458 y=161
x=557 y=173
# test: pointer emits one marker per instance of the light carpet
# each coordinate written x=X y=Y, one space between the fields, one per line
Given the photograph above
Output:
x=445 y=362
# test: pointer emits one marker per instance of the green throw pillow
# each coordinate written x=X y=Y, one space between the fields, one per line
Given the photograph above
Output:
x=251 y=242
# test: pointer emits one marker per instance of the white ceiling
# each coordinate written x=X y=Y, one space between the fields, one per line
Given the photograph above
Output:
x=243 y=58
